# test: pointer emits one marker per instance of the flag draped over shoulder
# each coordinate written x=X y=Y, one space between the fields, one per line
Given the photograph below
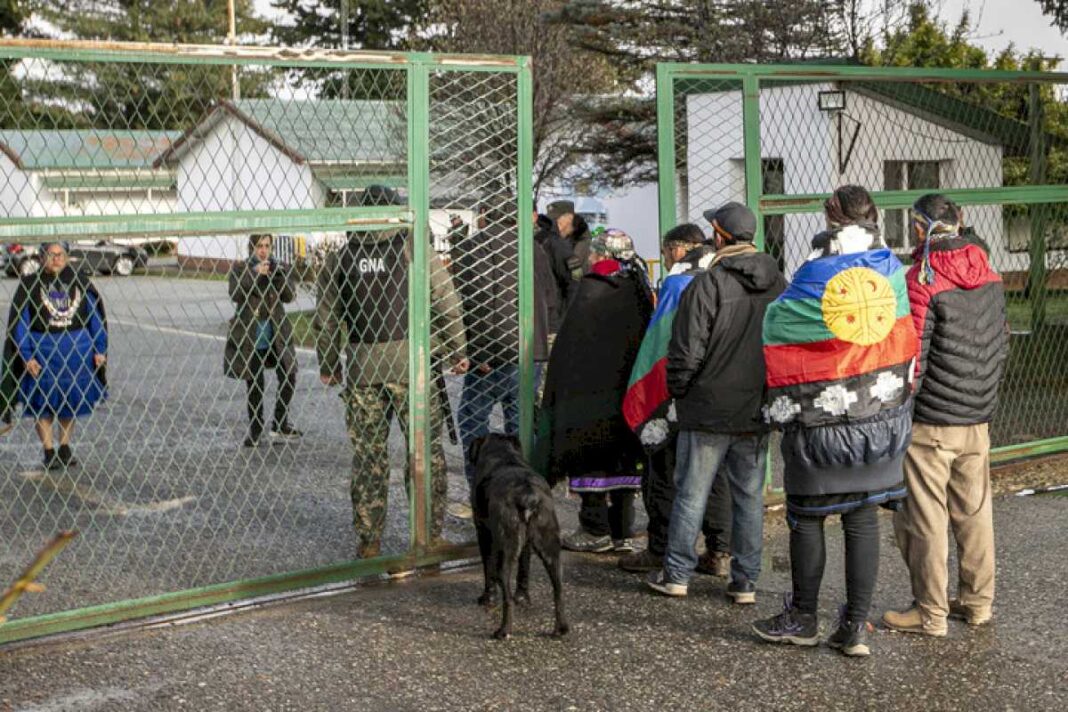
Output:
x=839 y=343
x=647 y=405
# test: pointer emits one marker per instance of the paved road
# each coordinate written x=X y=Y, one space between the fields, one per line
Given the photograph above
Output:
x=166 y=450
x=423 y=645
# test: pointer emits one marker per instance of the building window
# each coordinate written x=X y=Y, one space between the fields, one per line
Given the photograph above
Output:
x=906 y=175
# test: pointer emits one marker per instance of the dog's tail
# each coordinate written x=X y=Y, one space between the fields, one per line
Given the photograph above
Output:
x=527 y=502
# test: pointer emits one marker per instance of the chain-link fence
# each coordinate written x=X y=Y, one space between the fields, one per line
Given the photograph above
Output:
x=782 y=138
x=243 y=285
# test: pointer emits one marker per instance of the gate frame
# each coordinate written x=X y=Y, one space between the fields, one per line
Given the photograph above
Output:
x=751 y=75
x=418 y=67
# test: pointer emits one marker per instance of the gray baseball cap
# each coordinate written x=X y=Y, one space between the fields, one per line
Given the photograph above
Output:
x=735 y=219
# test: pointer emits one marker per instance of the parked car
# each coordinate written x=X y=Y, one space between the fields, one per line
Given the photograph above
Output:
x=101 y=257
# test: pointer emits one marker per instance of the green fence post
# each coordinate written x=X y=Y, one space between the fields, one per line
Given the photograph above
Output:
x=754 y=172
x=419 y=301
x=665 y=147
x=525 y=207
x=1036 y=273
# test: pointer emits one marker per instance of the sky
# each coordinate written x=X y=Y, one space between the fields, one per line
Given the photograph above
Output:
x=999 y=22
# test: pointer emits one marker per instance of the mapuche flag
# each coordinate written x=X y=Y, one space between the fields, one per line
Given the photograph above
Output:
x=647 y=405
x=839 y=343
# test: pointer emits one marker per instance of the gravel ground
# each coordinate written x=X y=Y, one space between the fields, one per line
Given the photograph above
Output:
x=422 y=644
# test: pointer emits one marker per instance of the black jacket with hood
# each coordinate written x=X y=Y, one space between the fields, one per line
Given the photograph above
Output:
x=715 y=361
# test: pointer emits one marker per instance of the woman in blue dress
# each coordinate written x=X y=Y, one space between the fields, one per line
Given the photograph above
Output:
x=58 y=331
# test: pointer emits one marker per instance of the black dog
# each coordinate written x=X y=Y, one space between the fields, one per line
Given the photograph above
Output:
x=514 y=513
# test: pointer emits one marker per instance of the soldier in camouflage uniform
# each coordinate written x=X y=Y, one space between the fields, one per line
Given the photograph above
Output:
x=363 y=292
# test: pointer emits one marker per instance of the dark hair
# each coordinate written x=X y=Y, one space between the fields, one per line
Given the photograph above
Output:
x=254 y=240
x=687 y=234
x=938 y=208
x=851 y=205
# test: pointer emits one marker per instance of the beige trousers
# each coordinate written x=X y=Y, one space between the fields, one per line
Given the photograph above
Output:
x=947 y=470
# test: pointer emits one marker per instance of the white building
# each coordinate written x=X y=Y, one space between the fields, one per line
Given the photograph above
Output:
x=888 y=137
x=272 y=154
x=83 y=172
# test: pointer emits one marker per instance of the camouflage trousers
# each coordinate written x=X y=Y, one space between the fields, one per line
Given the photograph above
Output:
x=369 y=410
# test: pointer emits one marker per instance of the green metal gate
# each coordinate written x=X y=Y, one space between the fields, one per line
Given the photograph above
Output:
x=782 y=138
x=185 y=152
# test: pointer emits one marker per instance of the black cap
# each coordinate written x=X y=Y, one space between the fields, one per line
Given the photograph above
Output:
x=734 y=219
x=559 y=207
x=376 y=194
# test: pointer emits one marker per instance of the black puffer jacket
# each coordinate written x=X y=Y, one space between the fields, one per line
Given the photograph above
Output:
x=715 y=361
x=964 y=338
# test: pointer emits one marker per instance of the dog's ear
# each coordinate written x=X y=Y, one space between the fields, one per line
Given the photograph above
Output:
x=475 y=449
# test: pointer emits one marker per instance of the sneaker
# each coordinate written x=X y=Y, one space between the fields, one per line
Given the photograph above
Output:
x=251 y=440
x=581 y=540
x=915 y=621
x=623 y=546
x=972 y=617
x=791 y=626
x=850 y=637
x=659 y=582
x=743 y=592
x=641 y=561
x=66 y=457
x=460 y=510
x=285 y=432
x=714 y=563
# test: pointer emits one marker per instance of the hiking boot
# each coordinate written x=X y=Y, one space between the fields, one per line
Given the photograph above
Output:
x=659 y=582
x=714 y=563
x=641 y=561
x=581 y=540
x=66 y=457
x=791 y=626
x=971 y=616
x=623 y=546
x=850 y=637
x=369 y=550
x=51 y=460
x=915 y=621
x=742 y=592
x=285 y=432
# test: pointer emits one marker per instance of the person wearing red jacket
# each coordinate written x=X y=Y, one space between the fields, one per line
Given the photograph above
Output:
x=958 y=306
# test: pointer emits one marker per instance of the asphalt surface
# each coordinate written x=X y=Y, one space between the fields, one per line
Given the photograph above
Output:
x=165 y=497
x=423 y=644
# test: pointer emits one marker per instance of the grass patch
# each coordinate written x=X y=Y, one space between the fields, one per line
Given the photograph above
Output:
x=1033 y=398
x=1019 y=310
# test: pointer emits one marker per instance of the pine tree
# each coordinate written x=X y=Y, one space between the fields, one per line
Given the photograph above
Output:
x=145 y=96
x=1058 y=10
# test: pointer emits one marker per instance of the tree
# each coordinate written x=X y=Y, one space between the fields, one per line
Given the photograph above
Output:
x=563 y=75
x=1058 y=10
x=144 y=96
x=372 y=25
x=13 y=14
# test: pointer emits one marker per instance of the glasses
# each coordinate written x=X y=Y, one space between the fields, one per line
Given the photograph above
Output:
x=56 y=255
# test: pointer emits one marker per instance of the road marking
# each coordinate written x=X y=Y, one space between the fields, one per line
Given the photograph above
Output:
x=184 y=332
x=65 y=484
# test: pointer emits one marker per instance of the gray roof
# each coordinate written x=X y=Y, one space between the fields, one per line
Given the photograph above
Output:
x=85 y=149
x=318 y=132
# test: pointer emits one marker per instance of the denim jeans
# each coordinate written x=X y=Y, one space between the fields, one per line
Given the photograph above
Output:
x=699 y=456
x=481 y=392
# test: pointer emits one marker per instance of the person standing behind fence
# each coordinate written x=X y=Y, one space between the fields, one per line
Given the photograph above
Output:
x=261 y=337
x=59 y=331
x=958 y=305
x=650 y=412
x=485 y=271
x=363 y=298
x=715 y=373
x=840 y=347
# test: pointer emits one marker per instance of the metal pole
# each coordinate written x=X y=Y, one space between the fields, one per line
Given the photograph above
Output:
x=525 y=207
x=231 y=38
x=1036 y=274
x=345 y=46
x=665 y=147
x=419 y=431
x=754 y=167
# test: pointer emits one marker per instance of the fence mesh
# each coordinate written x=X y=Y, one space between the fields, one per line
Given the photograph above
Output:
x=999 y=148
x=159 y=178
